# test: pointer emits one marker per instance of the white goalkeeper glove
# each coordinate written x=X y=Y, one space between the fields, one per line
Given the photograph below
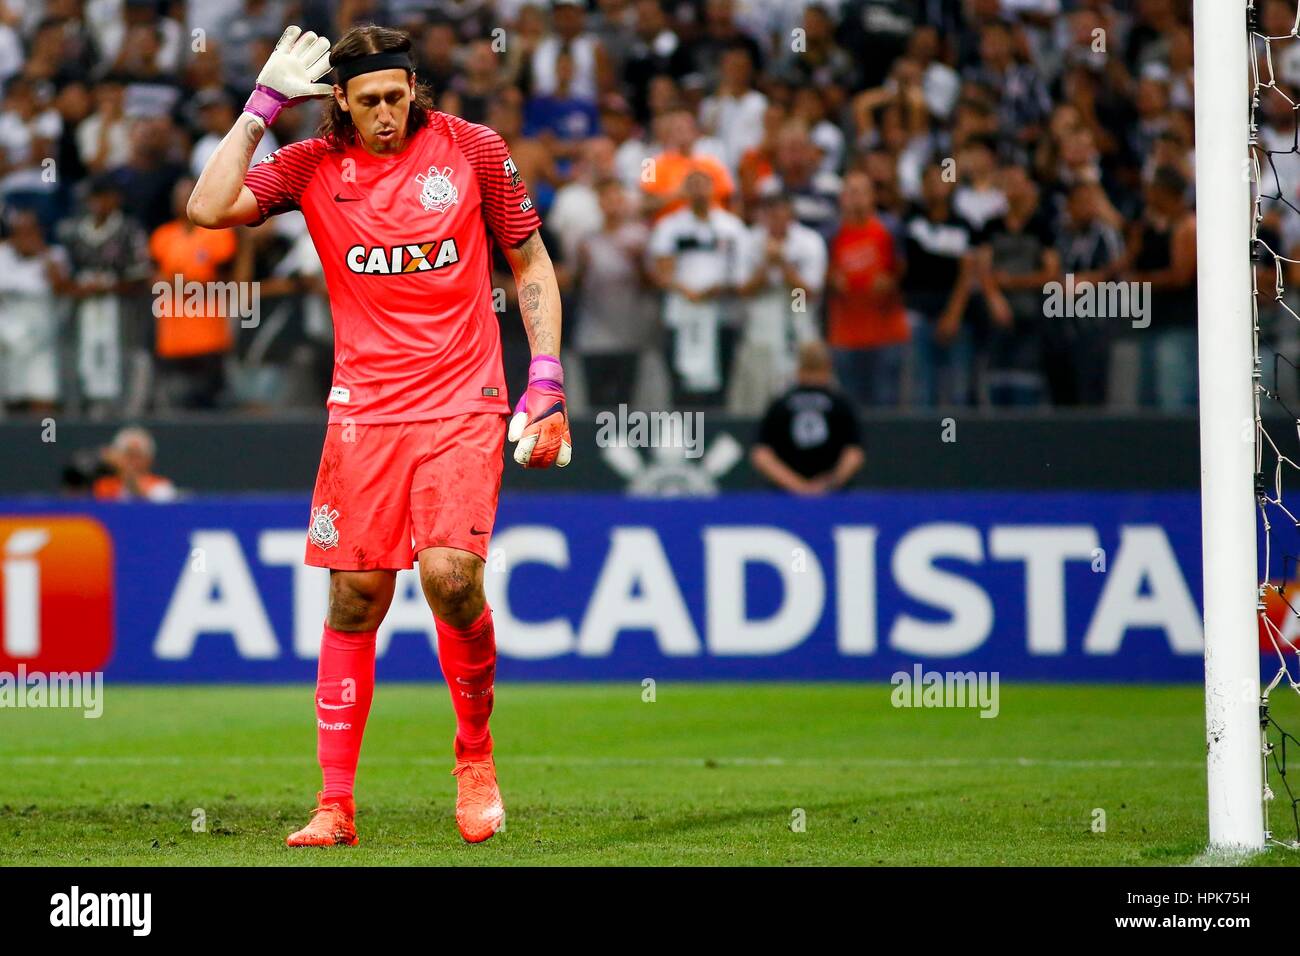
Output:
x=290 y=74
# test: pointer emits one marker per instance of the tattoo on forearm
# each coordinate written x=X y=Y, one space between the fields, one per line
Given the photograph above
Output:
x=530 y=299
x=541 y=315
x=537 y=319
x=253 y=132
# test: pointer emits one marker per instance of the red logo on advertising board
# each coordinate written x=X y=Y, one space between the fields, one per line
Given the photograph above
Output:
x=56 y=594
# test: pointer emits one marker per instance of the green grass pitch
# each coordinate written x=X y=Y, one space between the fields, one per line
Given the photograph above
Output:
x=591 y=774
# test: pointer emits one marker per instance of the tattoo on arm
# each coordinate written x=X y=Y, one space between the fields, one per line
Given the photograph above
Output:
x=253 y=132
x=537 y=319
x=530 y=298
x=533 y=249
x=539 y=297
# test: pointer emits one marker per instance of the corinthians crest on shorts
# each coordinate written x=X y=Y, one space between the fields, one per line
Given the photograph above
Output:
x=321 y=531
x=437 y=191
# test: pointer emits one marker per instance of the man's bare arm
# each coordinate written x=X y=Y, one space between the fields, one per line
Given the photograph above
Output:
x=539 y=294
x=220 y=198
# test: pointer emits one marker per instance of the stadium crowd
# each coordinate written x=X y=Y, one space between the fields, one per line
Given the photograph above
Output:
x=720 y=182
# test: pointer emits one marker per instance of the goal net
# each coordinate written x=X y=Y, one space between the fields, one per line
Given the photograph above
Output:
x=1274 y=167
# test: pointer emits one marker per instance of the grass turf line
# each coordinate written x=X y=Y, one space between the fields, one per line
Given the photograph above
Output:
x=591 y=774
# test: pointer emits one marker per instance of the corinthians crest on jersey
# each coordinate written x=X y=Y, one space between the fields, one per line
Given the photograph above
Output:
x=321 y=531
x=437 y=192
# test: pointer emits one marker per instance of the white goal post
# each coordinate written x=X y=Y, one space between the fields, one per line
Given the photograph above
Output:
x=1226 y=364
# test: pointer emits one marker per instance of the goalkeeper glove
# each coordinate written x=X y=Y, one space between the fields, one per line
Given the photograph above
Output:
x=541 y=421
x=297 y=62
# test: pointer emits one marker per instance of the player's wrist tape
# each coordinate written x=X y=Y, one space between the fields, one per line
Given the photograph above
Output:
x=266 y=103
x=545 y=368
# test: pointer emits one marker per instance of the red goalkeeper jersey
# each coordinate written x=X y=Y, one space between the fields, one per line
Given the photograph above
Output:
x=404 y=242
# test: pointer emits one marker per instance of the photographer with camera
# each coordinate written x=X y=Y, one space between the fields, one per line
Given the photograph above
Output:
x=129 y=463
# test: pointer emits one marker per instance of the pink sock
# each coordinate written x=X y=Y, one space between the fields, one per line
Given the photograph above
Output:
x=345 y=685
x=469 y=657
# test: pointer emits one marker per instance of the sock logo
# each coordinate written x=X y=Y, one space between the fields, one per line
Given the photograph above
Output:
x=341 y=725
x=326 y=706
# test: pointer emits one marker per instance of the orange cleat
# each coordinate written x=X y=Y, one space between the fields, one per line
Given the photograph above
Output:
x=331 y=824
x=479 y=812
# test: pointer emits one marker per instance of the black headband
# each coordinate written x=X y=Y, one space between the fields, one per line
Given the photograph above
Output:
x=372 y=62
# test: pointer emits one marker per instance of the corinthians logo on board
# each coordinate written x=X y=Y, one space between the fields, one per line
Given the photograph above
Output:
x=437 y=192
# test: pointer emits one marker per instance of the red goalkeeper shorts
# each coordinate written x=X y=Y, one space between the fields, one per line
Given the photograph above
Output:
x=384 y=493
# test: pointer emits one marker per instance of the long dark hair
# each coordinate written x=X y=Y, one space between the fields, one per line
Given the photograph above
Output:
x=336 y=126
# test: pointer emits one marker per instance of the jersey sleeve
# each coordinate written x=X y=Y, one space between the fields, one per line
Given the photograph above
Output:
x=280 y=178
x=507 y=208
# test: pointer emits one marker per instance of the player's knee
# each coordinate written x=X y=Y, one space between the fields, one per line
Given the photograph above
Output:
x=454 y=589
x=455 y=598
x=359 y=600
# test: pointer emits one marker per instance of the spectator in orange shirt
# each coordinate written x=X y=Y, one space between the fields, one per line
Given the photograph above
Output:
x=191 y=348
x=868 y=329
x=131 y=459
x=664 y=186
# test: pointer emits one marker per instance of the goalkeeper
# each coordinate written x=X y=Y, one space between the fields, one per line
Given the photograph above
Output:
x=400 y=201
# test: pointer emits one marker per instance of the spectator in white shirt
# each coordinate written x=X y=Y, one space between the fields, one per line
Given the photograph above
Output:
x=31 y=273
x=735 y=113
x=28 y=133
x=786 y=263
x=569 y=22
x=615 y=322
x=576 y=211
x=103 y=137
x=698 y=258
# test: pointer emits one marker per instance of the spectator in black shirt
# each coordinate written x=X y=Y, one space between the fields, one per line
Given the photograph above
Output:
x=437 y=57
x=656 y=51
x=150 y=174
x=877 y=32
x=719 y=34
x=821 y=62
x=1076 y=349
x=470 y=92
x=936 y=288
x=1023 y=101
x=808 y=441
x=1162 y=251
x=1015 y=263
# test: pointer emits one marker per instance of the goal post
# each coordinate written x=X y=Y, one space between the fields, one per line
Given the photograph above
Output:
x=1227 y=425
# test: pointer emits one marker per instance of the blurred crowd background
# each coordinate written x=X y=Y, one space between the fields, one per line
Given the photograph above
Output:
x=721 y=181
